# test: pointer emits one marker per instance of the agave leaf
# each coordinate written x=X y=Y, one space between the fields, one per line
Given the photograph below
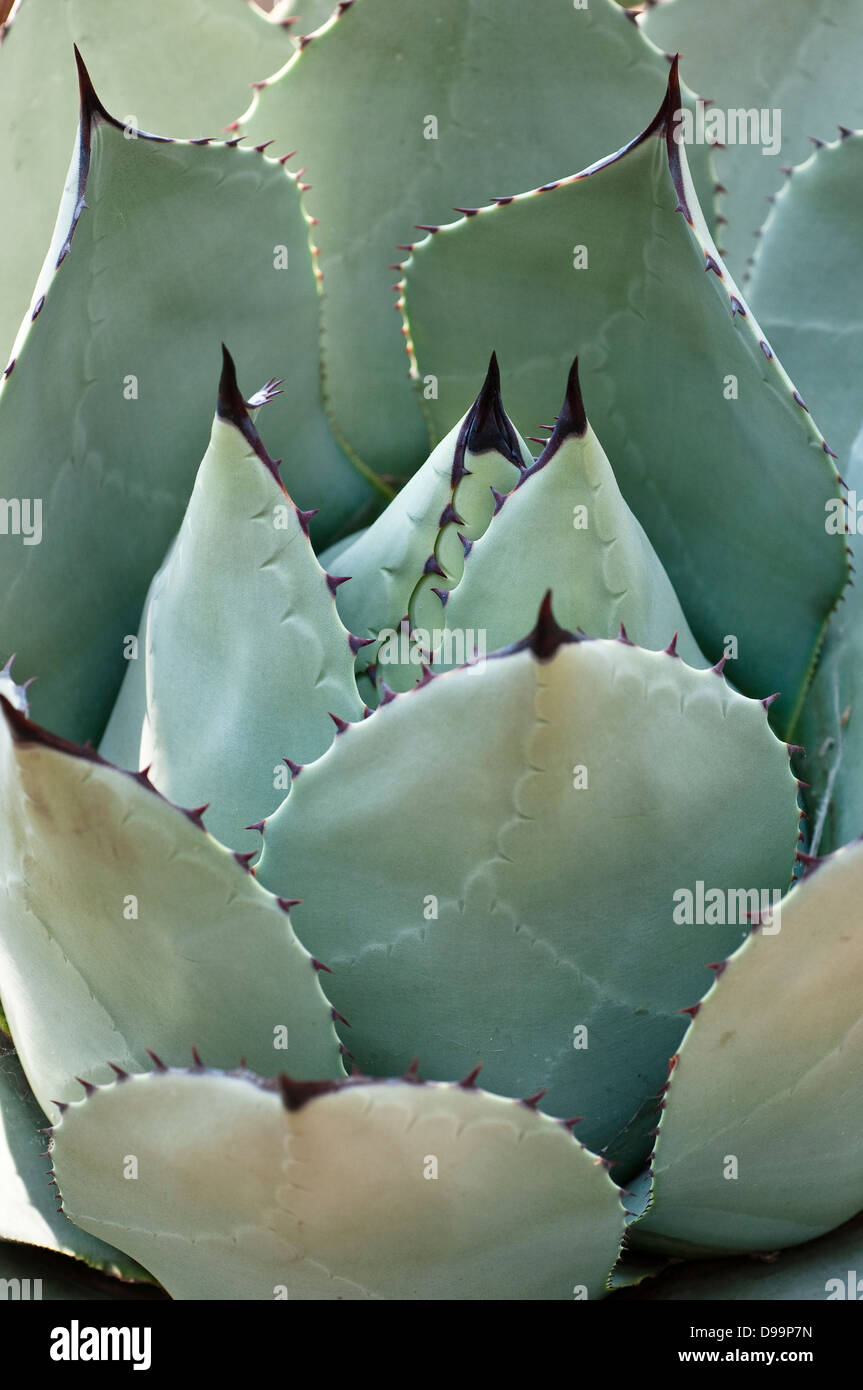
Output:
x=731 y=490
x=430 y=104
x=829 y=1268
x=592 y=753
x=188 y=70
x=125 y=927
x=417 y=545
x=790 y=55
x=636 y=1269
x=393 y=1190
x=770 y=1075
x=242 y=654
x=811 y=302
x=831 y=727
x=105 y=424
x=818 y=327
x=565 y=525
x=28 y=1206
x=32 y=1273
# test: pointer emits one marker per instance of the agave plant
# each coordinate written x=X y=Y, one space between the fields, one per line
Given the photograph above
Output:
x=428 y=863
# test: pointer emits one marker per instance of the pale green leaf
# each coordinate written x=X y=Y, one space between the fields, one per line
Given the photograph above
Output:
x=124 y=928
x=399 y=121
x=416 y=545
x=565 y=527
x=186 y=71
x=795 y=57
x=28 y=1202
x=104 y=414
x=827 y=1269
x=759 y=1144
x=712 y=450
x=242 y=656
x=813 y=307
x=489 y=865
x=363 y=1192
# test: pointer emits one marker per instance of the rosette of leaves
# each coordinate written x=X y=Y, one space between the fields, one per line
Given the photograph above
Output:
x=403 y=846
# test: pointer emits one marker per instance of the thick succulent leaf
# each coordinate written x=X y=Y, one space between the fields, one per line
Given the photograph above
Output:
x=799 y=58
x=634 y=1268
x=565 y=525
x=416 y=545
x=28 y=1203
x=770 y=1076
x=431 y=105
x=813 y=308
x=42 y=1275
x=731 y=490
x=124 y=927
x=240 y=625
x=104 y=423
x=610 y=778
x=831 y=726
x=362 y=1191
x=187 y=70
x=812 y=305
x=831 y=730
x=830 y=1268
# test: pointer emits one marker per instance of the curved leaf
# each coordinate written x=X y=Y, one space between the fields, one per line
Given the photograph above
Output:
x=771 y=1077
x=359 y=1191
x=240 y=627
x=125 y=927
x=609 y=779
x=732 y=489
x=566 y=527
x=787 y=55
x=103 y=423
x=818 y=326
x=831 y=726
x=812 y=305
x=417 y=545
x=188 y=69
x=40 y=1274
x=830 y=1268
x=28 y=1205
x=434 y=107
